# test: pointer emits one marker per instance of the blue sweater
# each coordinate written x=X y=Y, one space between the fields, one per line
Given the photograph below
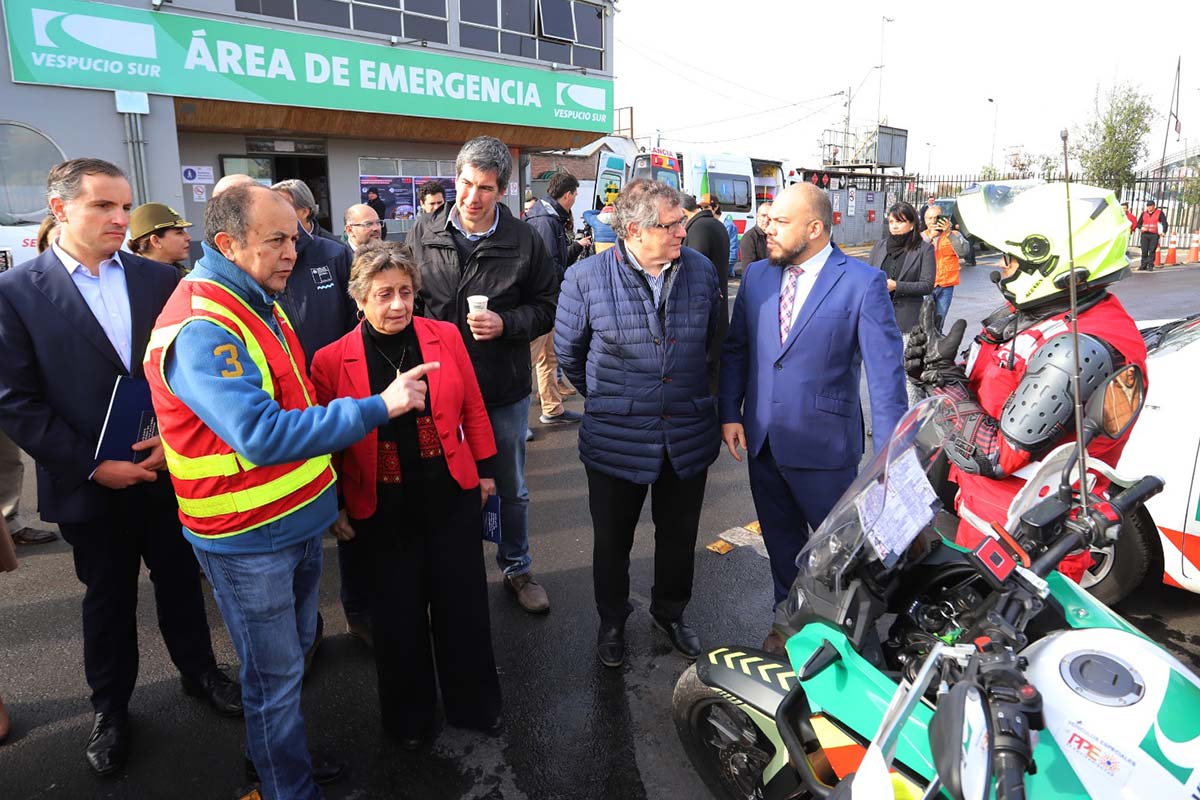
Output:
x=250 y=421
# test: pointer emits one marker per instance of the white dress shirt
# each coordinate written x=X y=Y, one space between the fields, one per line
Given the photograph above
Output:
x=812 y=268
x=107 y=295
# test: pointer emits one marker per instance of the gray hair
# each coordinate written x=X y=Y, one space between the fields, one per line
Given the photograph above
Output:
x=298 y=194
x=637 y=204
x=64 y=179
x=487 y=154
x=229 y=212
x=375 y=257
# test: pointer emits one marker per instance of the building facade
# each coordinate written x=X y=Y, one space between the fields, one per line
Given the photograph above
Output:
x=344 y=94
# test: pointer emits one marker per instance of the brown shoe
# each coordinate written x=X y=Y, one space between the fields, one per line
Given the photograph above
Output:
x=566 y=389
x=774 y=644
x=529 y=592
x=34 y=536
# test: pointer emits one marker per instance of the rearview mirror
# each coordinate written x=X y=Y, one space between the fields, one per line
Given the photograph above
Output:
x=960 y=736
x=1114 y=406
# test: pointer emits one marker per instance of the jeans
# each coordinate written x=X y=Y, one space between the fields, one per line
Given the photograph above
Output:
x=509 y=424
x=269 y=604
x=941 y=297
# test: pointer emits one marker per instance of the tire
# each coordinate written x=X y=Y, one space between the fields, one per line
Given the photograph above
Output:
x=1121 y=567
x=727 y=749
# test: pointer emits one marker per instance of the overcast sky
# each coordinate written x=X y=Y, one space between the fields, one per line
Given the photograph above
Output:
x=685 y=69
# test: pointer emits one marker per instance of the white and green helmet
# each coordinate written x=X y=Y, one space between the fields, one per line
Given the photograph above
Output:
x=1027 y=220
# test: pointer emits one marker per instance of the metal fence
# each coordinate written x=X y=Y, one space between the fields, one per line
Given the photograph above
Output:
x=1166 y=192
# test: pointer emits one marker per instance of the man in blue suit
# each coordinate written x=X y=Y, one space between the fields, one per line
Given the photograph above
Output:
x=71 y=321
x=804 y=321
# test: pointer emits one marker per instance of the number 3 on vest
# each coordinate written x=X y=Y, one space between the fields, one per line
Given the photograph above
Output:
x=231 y=358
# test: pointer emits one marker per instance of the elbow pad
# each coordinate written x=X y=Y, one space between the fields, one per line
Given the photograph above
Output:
x=1042 y=409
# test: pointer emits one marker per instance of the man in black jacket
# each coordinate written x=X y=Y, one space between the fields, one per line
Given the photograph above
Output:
x=706 y=235
x=754 y=241
x=473 y=248
x=551 y=218
x=316 y=301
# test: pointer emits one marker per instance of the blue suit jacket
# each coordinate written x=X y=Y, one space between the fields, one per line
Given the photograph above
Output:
x=57 y=375
x=804 y=394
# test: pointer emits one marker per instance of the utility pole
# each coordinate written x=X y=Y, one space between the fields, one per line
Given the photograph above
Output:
x=879 y=103
x=995 y=117
x=846 y=139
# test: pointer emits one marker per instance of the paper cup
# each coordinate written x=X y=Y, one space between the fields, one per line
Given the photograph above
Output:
x=477 y=303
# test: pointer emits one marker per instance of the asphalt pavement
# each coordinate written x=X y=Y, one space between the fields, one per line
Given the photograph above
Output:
x=573 y=729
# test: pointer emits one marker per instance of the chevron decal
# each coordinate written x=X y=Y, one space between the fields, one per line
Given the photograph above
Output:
x=765 y=668
x=712 y=656
x=730 y=657
x=747 y=662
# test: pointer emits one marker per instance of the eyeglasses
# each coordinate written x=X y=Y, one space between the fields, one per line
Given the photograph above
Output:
x=666 y=226
x=374 y=224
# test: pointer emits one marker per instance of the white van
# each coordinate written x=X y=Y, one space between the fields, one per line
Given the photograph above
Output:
x=18 y=244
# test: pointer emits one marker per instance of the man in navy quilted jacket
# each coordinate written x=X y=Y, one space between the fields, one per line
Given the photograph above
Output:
x=633 y=326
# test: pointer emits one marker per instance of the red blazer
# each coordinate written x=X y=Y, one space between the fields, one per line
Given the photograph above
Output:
x=340 y=370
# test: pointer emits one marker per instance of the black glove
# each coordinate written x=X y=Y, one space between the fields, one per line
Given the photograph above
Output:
x=940 y=367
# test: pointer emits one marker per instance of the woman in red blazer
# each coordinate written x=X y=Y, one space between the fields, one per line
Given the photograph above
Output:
x=412 y=492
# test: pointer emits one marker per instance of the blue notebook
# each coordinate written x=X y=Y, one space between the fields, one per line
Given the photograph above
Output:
x=130 y=419
x=491 y=519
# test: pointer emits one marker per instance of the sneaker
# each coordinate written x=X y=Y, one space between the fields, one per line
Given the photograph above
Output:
x=565 y=418
x=530 y=594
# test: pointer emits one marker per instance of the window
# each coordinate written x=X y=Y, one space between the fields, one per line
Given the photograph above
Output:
x=514 y=45
x=446 y=169
x=324 y=12
x=517 y=15
x=414 y=166
x=26 y=155
x=587 y=57
x=284 y=9
x=557 y=52
x=417 y=27
x=434 y=8
x=481 y=11
x=378 y=20
x=478 y=38
x=556 y=19
x=378 y=166
x=732 y=191
x=589 y=25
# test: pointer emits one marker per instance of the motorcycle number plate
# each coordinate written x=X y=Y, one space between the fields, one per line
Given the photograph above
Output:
x=995 y=559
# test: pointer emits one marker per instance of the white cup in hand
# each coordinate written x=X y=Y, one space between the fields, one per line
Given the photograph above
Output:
x=477 y=303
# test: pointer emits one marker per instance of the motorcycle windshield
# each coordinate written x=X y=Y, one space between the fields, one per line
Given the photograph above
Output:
x=889 y=503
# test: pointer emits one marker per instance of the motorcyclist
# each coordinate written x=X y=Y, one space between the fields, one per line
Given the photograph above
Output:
x=1013 y=391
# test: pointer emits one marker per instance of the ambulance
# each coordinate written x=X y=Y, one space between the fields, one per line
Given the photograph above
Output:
x=738 y=182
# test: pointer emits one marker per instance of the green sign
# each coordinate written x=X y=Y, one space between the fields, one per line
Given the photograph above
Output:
x=100 y=46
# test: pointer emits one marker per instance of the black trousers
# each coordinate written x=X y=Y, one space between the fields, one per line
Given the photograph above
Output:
x=429 y=610
x=616 y=505
x=143 y=526
x=1149 y=248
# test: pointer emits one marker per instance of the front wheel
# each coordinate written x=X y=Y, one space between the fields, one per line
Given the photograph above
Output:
x=727 y=749
x=1120 y=567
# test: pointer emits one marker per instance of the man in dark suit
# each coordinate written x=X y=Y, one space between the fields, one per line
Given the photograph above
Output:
x=71 y=321
x=803 y=323
x=706 y=235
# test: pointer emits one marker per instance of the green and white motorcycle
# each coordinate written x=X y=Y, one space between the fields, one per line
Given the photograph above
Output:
x=922 y=669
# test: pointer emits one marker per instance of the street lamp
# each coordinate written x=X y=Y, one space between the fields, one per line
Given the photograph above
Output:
x=879 y=100
x=929 y=158
x=995 y=116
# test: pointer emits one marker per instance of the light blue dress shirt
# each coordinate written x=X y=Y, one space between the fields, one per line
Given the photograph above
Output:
x=456 y=221
x=107 y=295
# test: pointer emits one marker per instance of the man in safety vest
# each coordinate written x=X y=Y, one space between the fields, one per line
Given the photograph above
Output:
x=248 y=452
x=1152 y=223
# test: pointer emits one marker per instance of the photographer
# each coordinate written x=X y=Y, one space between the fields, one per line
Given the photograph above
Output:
x=948 y=246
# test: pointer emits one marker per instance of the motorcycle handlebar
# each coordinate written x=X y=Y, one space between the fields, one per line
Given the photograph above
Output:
x=1124 y=503
x=1010 y=776
x=1137 y=494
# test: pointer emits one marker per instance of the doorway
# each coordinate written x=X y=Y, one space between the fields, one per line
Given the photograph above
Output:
x=270 y=169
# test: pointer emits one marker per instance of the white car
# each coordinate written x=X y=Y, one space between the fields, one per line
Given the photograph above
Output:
x=1165 y=441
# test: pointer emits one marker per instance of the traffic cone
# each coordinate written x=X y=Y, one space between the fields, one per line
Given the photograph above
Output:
x=1194 y=251
x=1172 y=248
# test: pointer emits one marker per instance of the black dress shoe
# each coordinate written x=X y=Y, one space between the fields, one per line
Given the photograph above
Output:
x=610 y=645
x=108 y=746
x=222 y=692
x=682 y=637
x=324 y=770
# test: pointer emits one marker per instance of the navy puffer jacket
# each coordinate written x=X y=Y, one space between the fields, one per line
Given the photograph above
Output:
x=641 y=369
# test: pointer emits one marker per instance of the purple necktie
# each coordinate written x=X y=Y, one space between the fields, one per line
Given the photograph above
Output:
x=787 y=299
